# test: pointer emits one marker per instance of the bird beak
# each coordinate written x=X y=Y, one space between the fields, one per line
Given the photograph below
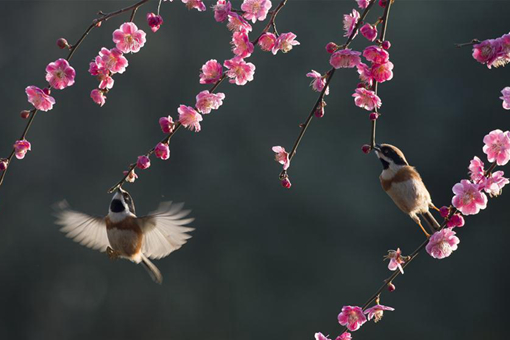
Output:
x=377 y=147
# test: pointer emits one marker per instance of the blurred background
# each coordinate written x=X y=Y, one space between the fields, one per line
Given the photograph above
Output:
x=264 y=262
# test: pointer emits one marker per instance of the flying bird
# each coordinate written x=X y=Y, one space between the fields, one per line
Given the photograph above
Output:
x=405 y=187
x=124 y=235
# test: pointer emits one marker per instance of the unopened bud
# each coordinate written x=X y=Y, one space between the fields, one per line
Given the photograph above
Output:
x=386 y=45
x=286 y=183
x=62 y=43
x=331 y=47
x=391 y=287
x=46 y=91
x=4 y=163
x=25 y=114
x=373 y=116
x=444 y=211
x=366 y=148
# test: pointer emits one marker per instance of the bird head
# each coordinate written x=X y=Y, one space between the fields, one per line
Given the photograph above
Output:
x=391 y=157
x=122 y=203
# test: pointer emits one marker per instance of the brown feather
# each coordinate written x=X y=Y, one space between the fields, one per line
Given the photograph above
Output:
x=404 y=174
x=128 y=224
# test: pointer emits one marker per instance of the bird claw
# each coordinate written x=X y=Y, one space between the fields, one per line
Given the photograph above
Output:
x=112 y=254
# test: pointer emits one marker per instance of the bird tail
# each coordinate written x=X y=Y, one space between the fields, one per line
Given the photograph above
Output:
x=431 y=221
x=153 y=271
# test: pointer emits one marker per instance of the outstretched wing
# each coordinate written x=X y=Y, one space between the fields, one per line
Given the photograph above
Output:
x=89 y=231
x=164 y=230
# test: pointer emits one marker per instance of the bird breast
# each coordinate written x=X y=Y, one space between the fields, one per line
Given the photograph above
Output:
x=125 y=237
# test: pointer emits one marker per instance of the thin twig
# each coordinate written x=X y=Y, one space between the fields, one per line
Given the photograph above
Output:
x=471 y=43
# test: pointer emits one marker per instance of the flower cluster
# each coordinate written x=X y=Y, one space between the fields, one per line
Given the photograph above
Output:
x=128 y=39
x=471 y=194
x=493 y=52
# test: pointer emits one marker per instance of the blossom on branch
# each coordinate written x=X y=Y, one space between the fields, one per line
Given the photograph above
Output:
x=344 y=336
x=350 y=21
x=318 y=81
x=281 y=156
x=352 y=317
x=239 y=71
x=506 y=98
x=285 y=42
x=113 y=60
x=267 y=41
x=98 y=97
x=209 y=101
x=345 y=59
x=211 y=72
x=396 y=260
x=497 y=146
x=167 y=124
x=129 y=38
x=369 y=31
x=131 y=177
x=366 y=99
x=442 y=243
x=197 y=4
x=154 y=21
x=60 y=74
x=162 y=151
x=143 y=162
x=189 y=118
x=40 y=98
x=256 y=9
x=376 y=312
x=236 y=23
x=21 y=147
x=468 y=199
x=222 y=10
x=242 y=47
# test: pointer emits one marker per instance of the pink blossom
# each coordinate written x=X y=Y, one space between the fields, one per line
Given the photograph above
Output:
x=189 y=118
x=366 y=99
x=318 y=82
x=344 y=336
x=143 y=162
x=506 y=98
x=382 y=72
x=494 y=184
x=350 y=21
x=113 y=60
x=363 y=3
x=497 y=146
x=236 y=23
x=285 y=42
x=286 y=183
x=162 y=151
x=40 y=99
x=129 y=38
x=256 y=9
x=468 y=199
x=4 y=163
x=377 y=311
x=98 y=68
x=98 y=97
x=239 y=71
x=267 y=41
x=476 y=169
x=455 y=221
x=209 y=101
x=242 y=47
x=198 y=4
x=487 y=51
x=211 y=72
x=396 y=260
x=320 y=336
x=369 y=31
x=60 y=74
x=376 y=54
x=222 y=10
x=21 y=147
x=131 y=177
x=442 y=243
x=386 y=45
x=365 y=73
x=167 y=124
x=345 y=59
x=154 y=21
x=281 y=156
x=444 y=211
x=352 y=317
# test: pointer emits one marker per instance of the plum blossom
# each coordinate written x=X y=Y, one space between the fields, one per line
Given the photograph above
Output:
x=267 y=41
x=285 y=42
x=167 y=124
x=162 y=151
x=39 y=98
x=369 y=31
x=365 y=73
x=154 y=21
x=468 y=199
x=366 y=99
x=377 y=311
x=198 y=4
x=209 y=101
x=239 y=71
x=476 y=170
x=113 y=60
x=222 y=10
x=21 y=147
x=129 y=38
x=318 y=82
x=189 y=118
x=98 y=68
x=363 y=3
x=442 y=243
x=236 y=23
x=143 y=162
x=256 y=9
x=281 y=156
x=242 y=47
x=131 y=176
x=497 y=146
x=506 y=98
x=488 y=51
x=350 y=21
x=345 y=59
x=396 y=260
x=344 y=336
x=382 y=72
x=376 y=54
x=352 y=317
x=455 y=221
x=60 y=74
x=98 y=97
x=320 y=336
x=494 y=184
x=211 y=72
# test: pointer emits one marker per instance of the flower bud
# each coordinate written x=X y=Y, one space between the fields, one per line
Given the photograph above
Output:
x=366 y=148
x=386 y=45
x=286 y=183
x=4 y=163
x=444 y=211
x=331 y=47
x=373 y=116
x=383 y=3
x=62 y=43
x=25 y=114
x=391 y=287
x=143 y=162
x=319 y=112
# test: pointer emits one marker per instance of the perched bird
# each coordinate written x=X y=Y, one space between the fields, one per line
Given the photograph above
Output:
x=124 y=235
x=404 y=185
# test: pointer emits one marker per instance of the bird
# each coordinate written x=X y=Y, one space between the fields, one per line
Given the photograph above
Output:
x=405 y=187
x=122 y=234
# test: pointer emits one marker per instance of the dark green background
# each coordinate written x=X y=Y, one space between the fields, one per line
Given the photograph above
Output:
x=264 y=262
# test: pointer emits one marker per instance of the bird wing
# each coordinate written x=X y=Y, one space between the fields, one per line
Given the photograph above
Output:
x=164 y=230
x=89 y=231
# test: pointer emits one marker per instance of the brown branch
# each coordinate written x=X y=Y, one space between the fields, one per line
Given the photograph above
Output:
x=471 y=43
x=72 y=50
